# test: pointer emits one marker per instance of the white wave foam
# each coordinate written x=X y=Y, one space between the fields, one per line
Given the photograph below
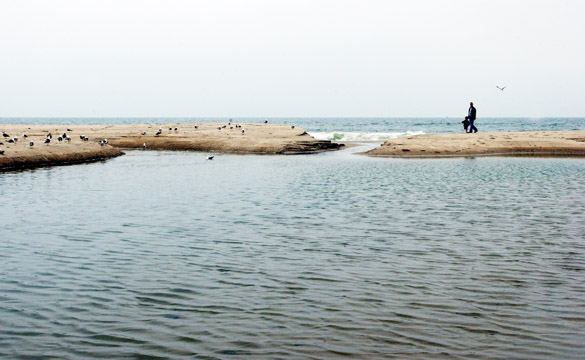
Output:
x=361 y=136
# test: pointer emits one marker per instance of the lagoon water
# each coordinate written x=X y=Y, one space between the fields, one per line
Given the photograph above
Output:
x=168 y=255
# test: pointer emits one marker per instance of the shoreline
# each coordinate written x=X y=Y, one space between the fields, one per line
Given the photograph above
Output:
x=564 y=143
x=262 y=139
x=205 y=137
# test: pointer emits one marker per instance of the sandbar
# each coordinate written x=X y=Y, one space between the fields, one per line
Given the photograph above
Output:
x=214 y=137
x=528 y=143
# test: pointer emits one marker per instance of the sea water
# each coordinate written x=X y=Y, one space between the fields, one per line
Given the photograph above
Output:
x=168 y=255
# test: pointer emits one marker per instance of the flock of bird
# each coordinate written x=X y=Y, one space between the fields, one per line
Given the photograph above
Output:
x=103 y=142
x=48 y=138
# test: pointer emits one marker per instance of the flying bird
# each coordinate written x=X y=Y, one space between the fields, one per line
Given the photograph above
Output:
x=501 y=88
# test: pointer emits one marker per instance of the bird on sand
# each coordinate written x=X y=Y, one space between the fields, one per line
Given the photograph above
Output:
x=143 y=146
x=5 y=134
x=1 y=152
x=47 y=141
x=501 y=88
x=31 y=143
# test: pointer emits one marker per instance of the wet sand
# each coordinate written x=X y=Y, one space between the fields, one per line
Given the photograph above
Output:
x=529 y=143
x=256 y=139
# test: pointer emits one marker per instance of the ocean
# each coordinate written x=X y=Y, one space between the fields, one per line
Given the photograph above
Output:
x=167 y=255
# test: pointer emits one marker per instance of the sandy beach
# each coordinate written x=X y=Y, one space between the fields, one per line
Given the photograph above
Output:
x=529 y=143
x=220 y=137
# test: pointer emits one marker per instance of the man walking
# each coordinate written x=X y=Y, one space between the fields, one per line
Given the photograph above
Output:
x=471 y=117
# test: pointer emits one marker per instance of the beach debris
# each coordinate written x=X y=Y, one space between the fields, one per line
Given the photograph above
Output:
x=210 y=157
x=31 y=143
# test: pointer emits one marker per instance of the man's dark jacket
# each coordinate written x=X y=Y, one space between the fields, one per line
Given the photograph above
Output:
x=472 y=115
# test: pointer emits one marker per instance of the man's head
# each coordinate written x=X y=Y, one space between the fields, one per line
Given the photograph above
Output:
x=471 y=104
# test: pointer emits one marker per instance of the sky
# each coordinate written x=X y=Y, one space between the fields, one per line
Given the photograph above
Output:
x=316 y=58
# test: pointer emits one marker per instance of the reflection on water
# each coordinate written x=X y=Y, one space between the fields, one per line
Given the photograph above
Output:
x=168 y=255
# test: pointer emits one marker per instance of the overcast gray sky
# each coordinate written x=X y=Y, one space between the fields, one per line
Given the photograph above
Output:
x=292 y=58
